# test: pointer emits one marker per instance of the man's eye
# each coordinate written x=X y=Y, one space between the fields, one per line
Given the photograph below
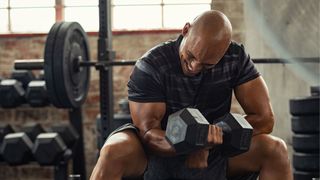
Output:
x=190 y=59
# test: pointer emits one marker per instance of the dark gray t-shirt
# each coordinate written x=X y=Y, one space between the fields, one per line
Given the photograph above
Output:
x=158 y=77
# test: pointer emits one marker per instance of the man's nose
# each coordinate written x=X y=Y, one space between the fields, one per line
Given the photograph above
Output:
x=196 y=66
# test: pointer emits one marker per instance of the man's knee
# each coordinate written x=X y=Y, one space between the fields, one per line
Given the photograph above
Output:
x=125 y=152
x=120 y=157
x=271 y=146
x=121 y=146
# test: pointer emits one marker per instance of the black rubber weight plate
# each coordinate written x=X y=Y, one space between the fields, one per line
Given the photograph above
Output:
x=305 y=142
x=306 y=162
x=305 y=106
x=48 y=63
x=305 y=124
x=72 y=85
x=315 y=90
x=303 y=175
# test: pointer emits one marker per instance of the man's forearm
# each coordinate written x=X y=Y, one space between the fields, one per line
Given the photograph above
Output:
x=157 y=143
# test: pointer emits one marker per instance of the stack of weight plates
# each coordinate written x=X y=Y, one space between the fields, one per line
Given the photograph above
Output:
x=305 y=140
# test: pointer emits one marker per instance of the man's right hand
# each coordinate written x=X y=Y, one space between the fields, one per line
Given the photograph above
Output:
x=215 y=136
x=198 y=159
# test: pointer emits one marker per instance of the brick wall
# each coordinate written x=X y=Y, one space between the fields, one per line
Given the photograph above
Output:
x=127 y=46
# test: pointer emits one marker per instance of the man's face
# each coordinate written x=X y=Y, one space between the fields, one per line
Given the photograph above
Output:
x=195 y=56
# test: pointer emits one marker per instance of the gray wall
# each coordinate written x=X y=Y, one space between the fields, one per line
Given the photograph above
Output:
x=284 y=29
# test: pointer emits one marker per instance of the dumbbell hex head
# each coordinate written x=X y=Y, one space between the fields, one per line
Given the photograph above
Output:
x=11 y=93
x=24 y=76
x=33 y=130
x=36 y=94
x=4 y=130
x=237 y=133
x=48 y=148
x=16 y=148
x=187 y=130
x=67 y=132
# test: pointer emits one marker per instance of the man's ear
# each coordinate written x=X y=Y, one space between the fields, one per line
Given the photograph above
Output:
x=185 y=29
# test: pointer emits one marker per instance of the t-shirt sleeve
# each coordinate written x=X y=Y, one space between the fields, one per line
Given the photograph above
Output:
x=246 y=68
x=145 y=84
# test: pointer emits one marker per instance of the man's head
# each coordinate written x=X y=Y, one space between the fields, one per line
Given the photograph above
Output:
x=204 y=42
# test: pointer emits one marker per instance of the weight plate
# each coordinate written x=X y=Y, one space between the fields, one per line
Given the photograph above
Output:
x=305 y=175
x=307 y=162
x=48 y=63
x=71 y=81
x=315 y=90
x=305 y=142
x=305 y=124
x=305 y=106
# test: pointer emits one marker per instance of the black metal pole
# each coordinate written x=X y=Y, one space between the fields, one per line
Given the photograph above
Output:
x=293 y=60
x=61 y=171
x=78 y=157
x=105 y=54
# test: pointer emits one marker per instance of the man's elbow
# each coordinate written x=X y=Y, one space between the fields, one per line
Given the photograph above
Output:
x=268 y=122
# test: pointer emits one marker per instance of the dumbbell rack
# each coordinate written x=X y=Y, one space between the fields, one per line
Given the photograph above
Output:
x=76 y=154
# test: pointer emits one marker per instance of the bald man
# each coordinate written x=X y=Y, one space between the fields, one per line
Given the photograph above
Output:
x=200 y=69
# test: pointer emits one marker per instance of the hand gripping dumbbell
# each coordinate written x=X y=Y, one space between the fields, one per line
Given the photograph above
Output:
x=187 y=130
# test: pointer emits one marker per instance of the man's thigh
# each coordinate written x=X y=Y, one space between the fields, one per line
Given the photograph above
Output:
x=262 y=147
x=125 y=147
x=246 y=162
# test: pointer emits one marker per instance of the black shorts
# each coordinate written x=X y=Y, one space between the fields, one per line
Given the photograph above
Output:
x=162 y=168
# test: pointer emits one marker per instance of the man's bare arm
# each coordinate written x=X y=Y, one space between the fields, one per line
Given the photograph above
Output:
x=254 y=99
x=147 y=117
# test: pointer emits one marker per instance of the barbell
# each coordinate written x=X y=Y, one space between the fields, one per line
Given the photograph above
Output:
x=66 y=65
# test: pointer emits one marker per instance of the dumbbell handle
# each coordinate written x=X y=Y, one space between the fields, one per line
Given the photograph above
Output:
x=30 y=64
x=224 y=126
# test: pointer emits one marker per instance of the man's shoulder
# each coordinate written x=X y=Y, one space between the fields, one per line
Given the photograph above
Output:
x=235 y=49
x=160 y=56
x=161 y=50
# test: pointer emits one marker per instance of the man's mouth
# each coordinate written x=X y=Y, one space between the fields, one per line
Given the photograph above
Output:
x=188 y=70
x=188 y=67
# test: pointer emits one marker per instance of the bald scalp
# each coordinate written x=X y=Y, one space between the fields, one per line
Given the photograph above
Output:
x=207 y=37
x=212 y=25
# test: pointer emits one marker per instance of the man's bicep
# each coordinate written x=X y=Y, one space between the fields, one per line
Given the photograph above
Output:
x=147 y=115
x=145 y=84
x=253 y=96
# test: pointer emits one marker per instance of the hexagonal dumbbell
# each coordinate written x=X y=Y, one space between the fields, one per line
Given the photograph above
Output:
x=187 y=130
x=4 y=130
x=50 y=148
x=23 y=76
x=36 y=94
x=11 y=93
x=16 y=148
